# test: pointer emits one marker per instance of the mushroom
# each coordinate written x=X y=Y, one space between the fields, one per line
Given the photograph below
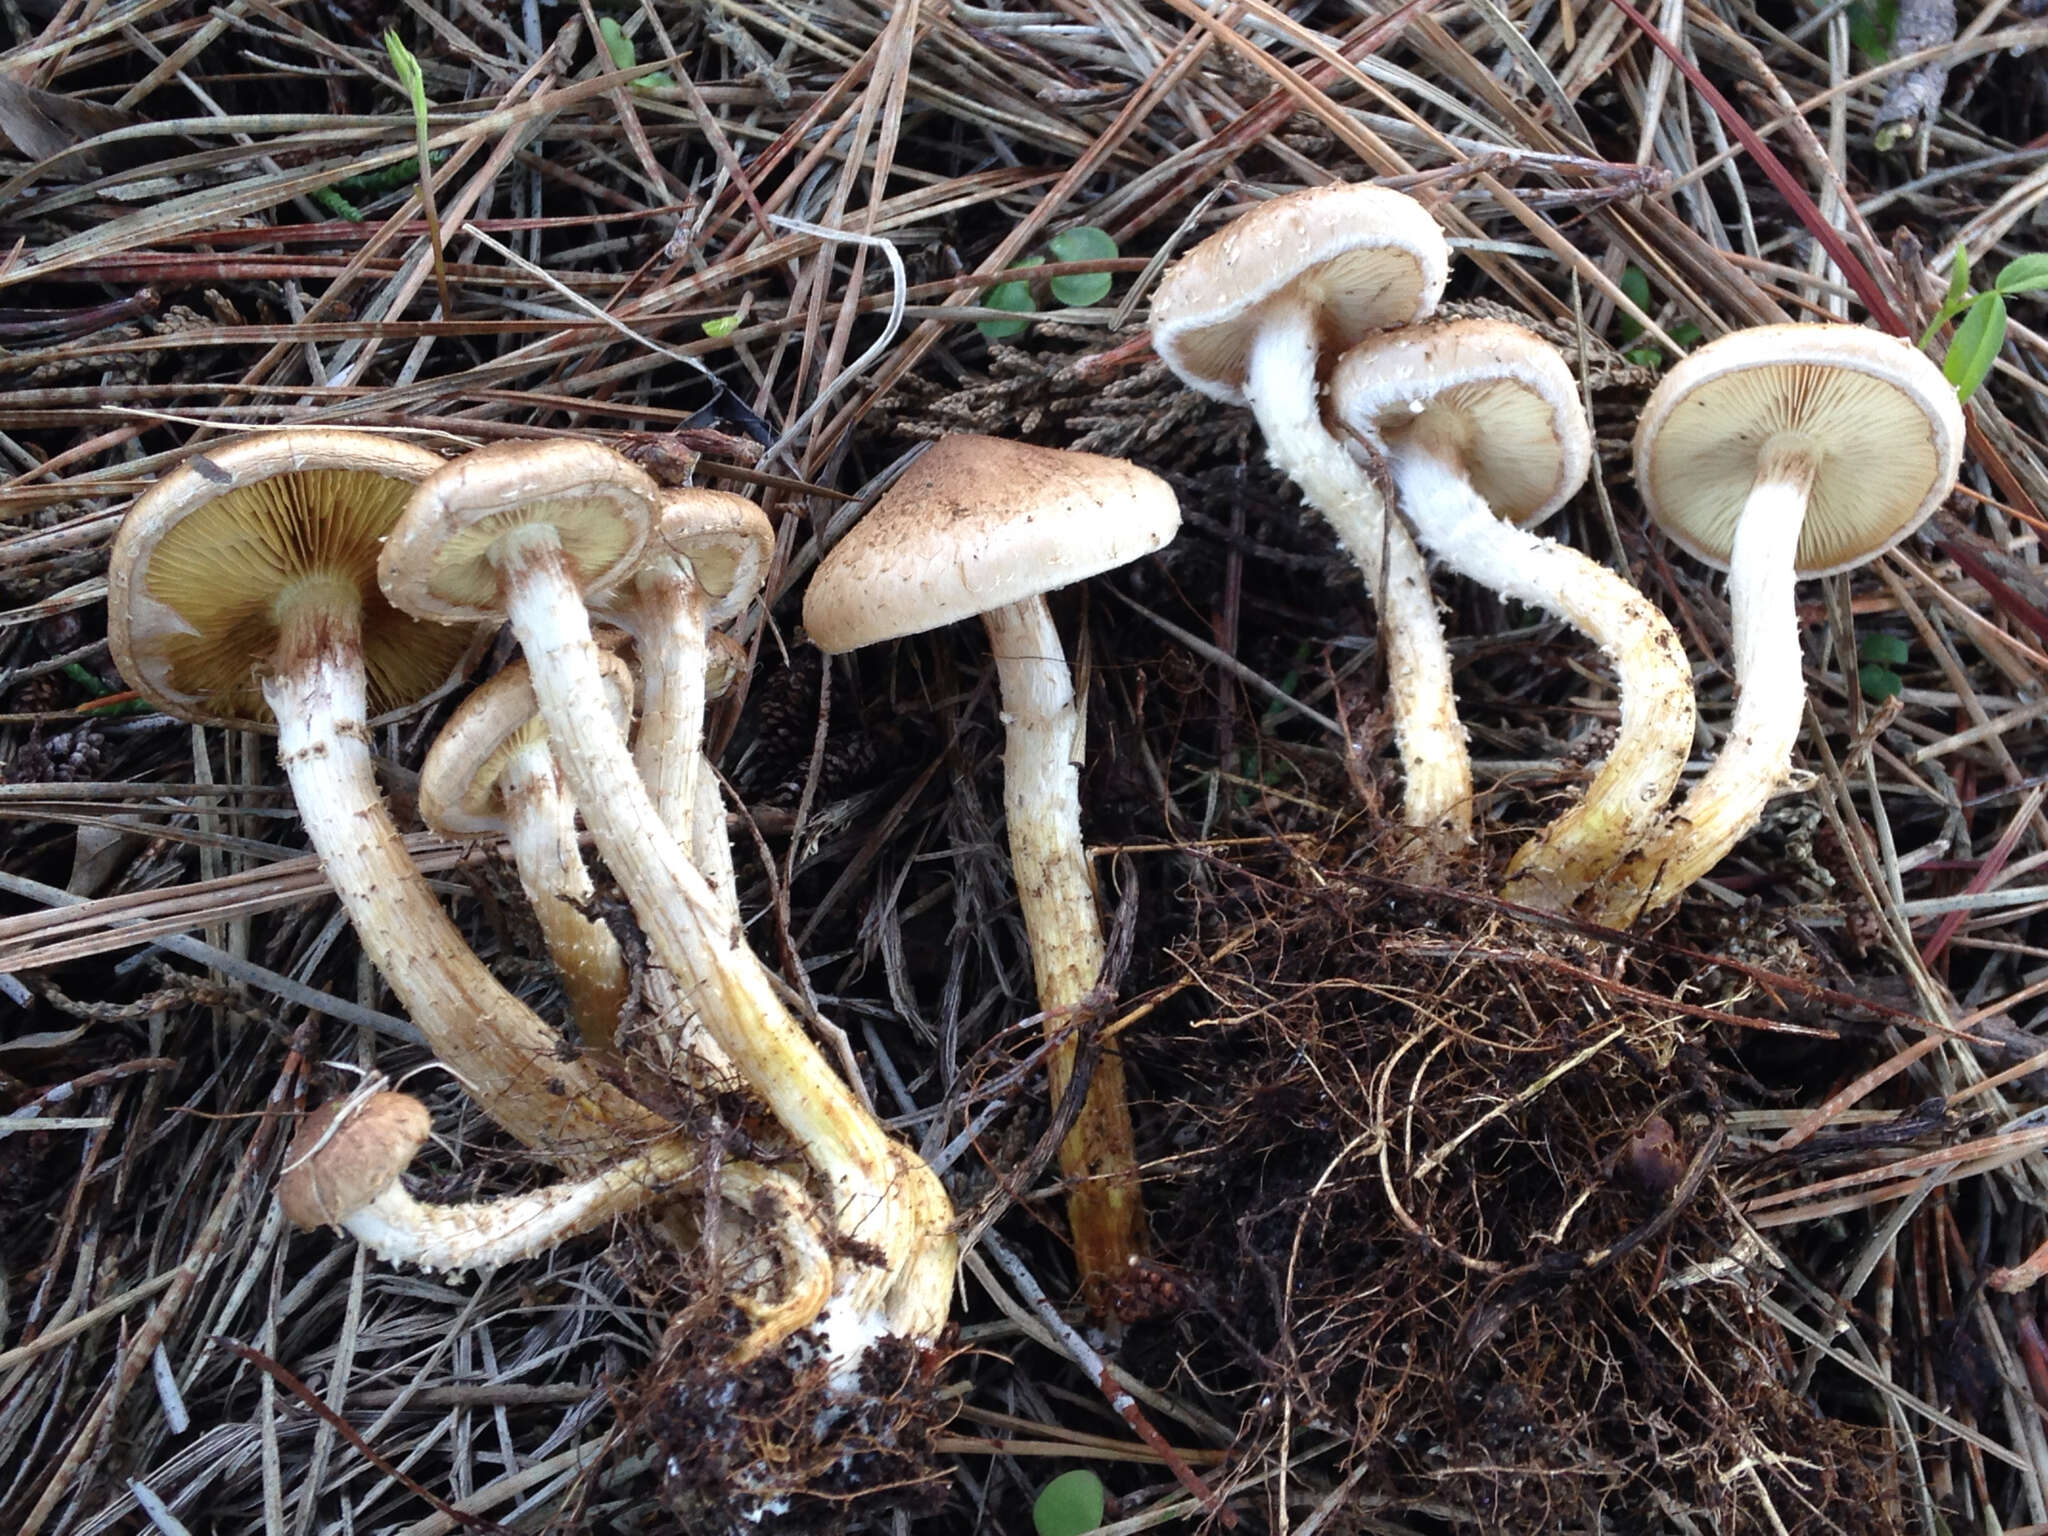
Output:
x=525 y=530
x=1250 y=317
x=979 y=526
x=491 y=772
x=1481 y=428
x=344 y=1166
x=1777 y=453
x=246 y=578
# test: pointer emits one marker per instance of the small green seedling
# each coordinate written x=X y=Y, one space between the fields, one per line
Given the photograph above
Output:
x=1648 y=354
x=625 y=56
x=1084 y=242
x=1981 y=333
x=1014 y=296
x=414 y=81
x=94 y=688
x=1071 y=1504
x=1881 y=653
x=722 y=327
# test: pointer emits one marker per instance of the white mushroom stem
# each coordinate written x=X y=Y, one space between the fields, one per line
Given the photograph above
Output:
x=1042 y=805
x=508 y=1058
x=483 y=1234
x=882 y=1193
x=666 y=613
x=1770 y=697
x=541 y=828
x=1655 y=692
x=1280 y=383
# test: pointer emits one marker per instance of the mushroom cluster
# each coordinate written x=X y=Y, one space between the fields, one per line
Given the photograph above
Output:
x=317 y=581
x=1774 y=453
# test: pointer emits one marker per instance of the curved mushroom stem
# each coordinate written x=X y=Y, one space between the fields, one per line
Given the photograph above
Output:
x=1281 y=385
x=541 y=827
x=882 y=1193
x=1655 y=680
x=482 y=1234
x=1042 y=804
x=505 y=1055
x=1770 y=699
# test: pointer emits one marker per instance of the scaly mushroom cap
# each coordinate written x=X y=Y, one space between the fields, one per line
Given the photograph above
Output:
x=1498 y=396
x=347 y=1153
x=1366 y=257
x=725 y=539
x=459 y=781
x=600 y=504
x=201 y=561
x=1883 y=426
x=975 y=524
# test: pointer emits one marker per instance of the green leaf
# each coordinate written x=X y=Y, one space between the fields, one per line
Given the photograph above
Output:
x=625 y=56
x=1871 y=23
x=1637 y=286
x=1886 y=650
x=722 y=327
x=1686 y=334
x=1070 y=1505
x=1015 y=296
x=1646 y=356
x=2025 y=275
x=1976 y=344
x=1958 y=280
x=1879 y=683
x=1084 y=242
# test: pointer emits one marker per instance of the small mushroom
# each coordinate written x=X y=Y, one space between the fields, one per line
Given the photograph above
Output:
x=1777 y=453
x=344 y=1171
x=243 y=583
x=492 y=773
x=525 y=530
x=979 y=526
x=1481 y=427
x=1251 y=316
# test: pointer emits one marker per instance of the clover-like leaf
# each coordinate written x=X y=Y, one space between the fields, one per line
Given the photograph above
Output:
x=1084 y=242
x=1879 y=683
x=1070 y=1505
x=1886 y=650
x=1014 y=296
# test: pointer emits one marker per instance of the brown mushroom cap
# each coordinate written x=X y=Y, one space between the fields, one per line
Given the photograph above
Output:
x=1365 y=257
x=975 y=524
x=1500 y=396
x=202 y=559
x=725 y=538
x=1883 y=426
x=600 y=504
x=459 y=781
x=335 y=1169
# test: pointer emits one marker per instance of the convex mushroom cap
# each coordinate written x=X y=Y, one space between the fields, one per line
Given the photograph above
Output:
x=462 y=780
x=210 y=555
x=1878 y=421
x=1482 y=427
x=347 y=1154
x=442 y=562
x=975 y=524
x=1361 y=258
x=1779 y=452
